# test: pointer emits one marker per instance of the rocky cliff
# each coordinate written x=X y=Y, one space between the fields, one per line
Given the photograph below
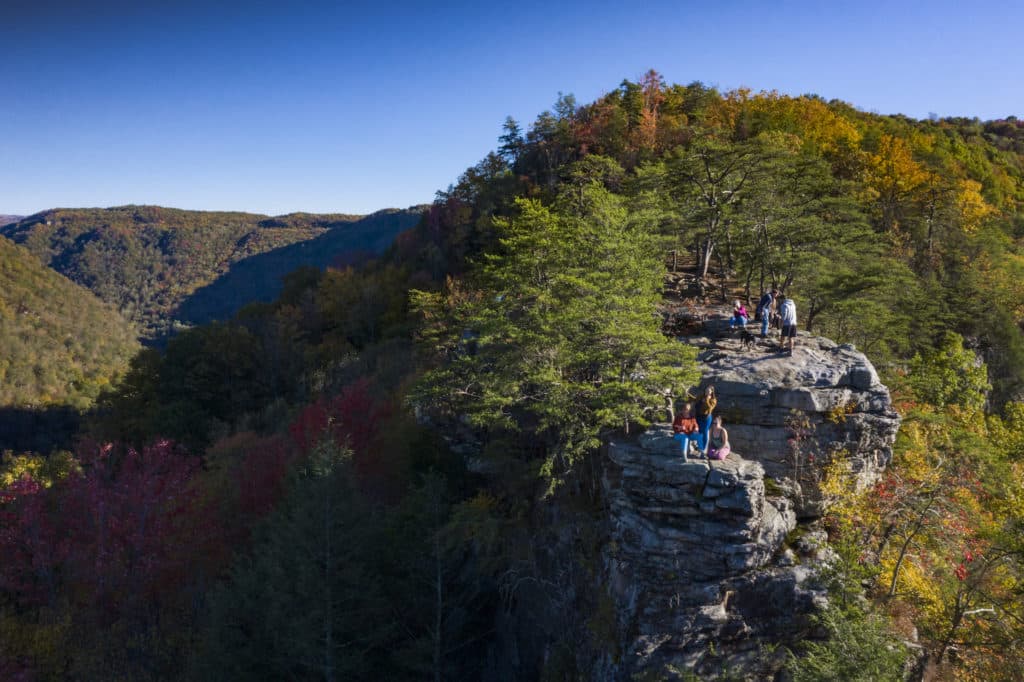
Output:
x=796 y=414
x=713 y=564
x=697 y=563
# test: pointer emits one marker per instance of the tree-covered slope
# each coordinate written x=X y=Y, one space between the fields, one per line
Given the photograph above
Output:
x=8 y=219
x=261 y=277
x=59 y=344
x=146 y=260
x=521 y=319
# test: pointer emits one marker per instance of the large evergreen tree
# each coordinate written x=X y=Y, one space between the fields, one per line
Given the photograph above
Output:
x=559 y=336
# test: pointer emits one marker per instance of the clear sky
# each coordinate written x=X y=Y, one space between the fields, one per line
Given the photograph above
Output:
x=274 y=107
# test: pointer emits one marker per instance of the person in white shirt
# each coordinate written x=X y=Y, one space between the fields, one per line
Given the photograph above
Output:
x=788 y=313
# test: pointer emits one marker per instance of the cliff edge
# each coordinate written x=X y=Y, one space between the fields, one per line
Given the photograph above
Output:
x=711 y=564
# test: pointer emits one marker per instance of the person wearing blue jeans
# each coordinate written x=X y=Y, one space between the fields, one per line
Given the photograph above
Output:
x=765 y=307
x=705 y=407
x=686 y=430
x=739 y=315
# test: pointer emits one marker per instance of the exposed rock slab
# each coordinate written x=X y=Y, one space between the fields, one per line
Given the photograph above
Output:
x=793 y=414
x=694 y=561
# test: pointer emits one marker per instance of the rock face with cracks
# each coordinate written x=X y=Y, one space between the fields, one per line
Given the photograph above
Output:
x=709 y=568
x=695 y=562
x=795 y=414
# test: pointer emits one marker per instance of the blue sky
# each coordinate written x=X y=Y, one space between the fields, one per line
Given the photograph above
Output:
x=274 y=107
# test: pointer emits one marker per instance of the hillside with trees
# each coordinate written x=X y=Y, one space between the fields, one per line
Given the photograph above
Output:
x=146 y=260
x=393 y=469
x=260 y=278
x=59 y=346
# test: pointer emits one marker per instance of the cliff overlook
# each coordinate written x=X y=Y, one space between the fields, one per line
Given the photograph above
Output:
x=697 y=559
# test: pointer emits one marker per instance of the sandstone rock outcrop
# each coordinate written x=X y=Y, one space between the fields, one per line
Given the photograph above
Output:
x=696 y=563
x=690 y=566
x=697 y=560
x=794 y=414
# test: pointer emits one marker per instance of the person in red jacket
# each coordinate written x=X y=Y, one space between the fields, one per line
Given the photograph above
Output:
x=686 y=429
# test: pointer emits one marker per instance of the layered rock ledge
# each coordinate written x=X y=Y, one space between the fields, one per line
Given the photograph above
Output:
x=795 y=414
x=695 y=561
x=704 y=560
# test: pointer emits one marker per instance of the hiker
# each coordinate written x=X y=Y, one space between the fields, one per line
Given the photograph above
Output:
x=718 y=440
x=765 y=309
x=739 y=315
x=686 y=430
x=705 y=406
x=788 y=313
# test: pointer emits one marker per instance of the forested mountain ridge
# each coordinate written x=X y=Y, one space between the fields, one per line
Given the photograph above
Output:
x=438 y=412
x=260 y=278
x=59 y=344
x=146 y=260
x=8 y=219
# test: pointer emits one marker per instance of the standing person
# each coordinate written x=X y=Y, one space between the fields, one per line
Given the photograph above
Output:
x=788 y=312
x=739 y=315
x=705 y=406
x=765 y=308
x=686 y=430
x=718 y=440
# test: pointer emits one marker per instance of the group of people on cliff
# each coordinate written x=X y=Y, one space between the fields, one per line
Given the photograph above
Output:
x=700 y=432
x=697 y=428
x=771 y=306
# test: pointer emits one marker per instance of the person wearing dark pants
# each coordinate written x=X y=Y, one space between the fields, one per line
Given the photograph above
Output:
x=788 y=312
x=766 y=306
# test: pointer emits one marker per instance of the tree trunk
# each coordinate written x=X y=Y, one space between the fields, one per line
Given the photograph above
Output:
x=708 y=251
x=906 y=544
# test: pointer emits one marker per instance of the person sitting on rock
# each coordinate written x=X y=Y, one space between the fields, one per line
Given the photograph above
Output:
x=686 y=430
x=718 y=440
x=739 y=315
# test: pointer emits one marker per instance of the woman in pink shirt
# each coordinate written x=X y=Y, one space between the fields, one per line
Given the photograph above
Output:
x=739 y=315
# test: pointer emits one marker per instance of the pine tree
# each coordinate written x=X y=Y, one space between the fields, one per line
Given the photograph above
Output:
x=560 y=336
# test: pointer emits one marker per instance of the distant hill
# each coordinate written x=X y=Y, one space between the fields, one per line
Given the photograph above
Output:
x=259 y=278
x=59 y=344
x=147 y=260
x=8 y=219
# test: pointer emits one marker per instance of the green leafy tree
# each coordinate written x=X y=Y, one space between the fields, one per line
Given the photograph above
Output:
x=708 y=180
x=561 y=338
x=859 y=648
x=949 y=374
x=436 y=588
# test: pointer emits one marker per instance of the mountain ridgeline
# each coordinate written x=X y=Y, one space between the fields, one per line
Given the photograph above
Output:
x=260 y=278
x=148 y=260
x=461 y=416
